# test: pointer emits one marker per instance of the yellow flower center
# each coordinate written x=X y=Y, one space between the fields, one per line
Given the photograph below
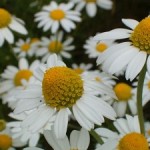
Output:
x=148 y=84
x=25 y=47
x=34 y=40
x=78 y=70
x=101 y=47
x=141 y=35
x=123 y=91
x=98 y=79
x=57 y=14
x=133 y=141
x=55 y=47
x=2 y=125
x=5 y=142
x=5 y=18
x=61 y=87
x=90 y=1
x=22 y=74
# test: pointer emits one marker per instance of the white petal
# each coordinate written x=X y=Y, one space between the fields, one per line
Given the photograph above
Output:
x=7 y=34
x=131 y=23
x=23 y=64
x=91 y=9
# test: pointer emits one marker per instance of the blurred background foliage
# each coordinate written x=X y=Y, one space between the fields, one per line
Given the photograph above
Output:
x=104 y=20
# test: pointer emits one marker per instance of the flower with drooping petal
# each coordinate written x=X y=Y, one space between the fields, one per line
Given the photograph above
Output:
x=62 y=92
x=128 y=136
x=54 y=16
x=130 y=55
x=9 y=22
x=91 y=5
x=55 y=44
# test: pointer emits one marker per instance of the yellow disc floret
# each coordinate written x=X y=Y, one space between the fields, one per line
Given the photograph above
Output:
x=22 y=74
x=2 y=124
x=61 y=87
x=90 y=1
x=5 y=18
x=5 y=142
x=101 y=47
x=141 y=35
x=25 y=47
x=57 y=14
x=55 y=47
x=133 y=141
x=123 y=91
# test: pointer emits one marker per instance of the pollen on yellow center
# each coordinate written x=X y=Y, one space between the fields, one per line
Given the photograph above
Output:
x=5 y=18
x=101 y=47
x=22 y=74
x=55 y=47
x=98 y=79
x=2 y=124
x=57 y=14
x=141 y=35
x=61 y=87
x=25 y=47
x=123 y=91
x=90 y=1
x=133 y=141
x=5 y=142
x=148 y=84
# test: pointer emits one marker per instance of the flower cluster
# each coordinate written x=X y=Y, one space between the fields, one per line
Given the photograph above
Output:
x=74 y=95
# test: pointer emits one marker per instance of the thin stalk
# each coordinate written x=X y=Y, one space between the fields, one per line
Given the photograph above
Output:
x=96 y=137
x=139 y=99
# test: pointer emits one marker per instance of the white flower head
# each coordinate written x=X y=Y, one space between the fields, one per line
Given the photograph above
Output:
x=55 y=44
x=60 y=89
x=9 y=22
x=54 y=16
x=130 y=55
x=15 y=79
x=128 y=136
x=91 y=5
x=25 y=48
x=94 y=48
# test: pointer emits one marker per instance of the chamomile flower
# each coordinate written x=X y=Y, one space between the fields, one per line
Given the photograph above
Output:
x=130 y=55
x=55 y=44
x=55 y=15
x=126 y=97
x=94 y=48
x=25 y=48
x=81 y=67
x=128 y=138
x=9 y=22
x=13 y=78
x=60 y=89
x=7 y=141
x=91 y=5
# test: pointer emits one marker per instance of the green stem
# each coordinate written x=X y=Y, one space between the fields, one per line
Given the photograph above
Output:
x=96 y=137
x=139 y=99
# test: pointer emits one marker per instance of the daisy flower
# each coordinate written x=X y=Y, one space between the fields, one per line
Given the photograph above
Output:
x=25 y=47
x=7 y=141
x=130 y=55
x=81 y=67
x=94 y=48
x=13 y=78
x=91 y=5
x=9 y=22
x=61 y=92
x=55 y=44
x=128 y=137
x=55 y=15
x=126 y=97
